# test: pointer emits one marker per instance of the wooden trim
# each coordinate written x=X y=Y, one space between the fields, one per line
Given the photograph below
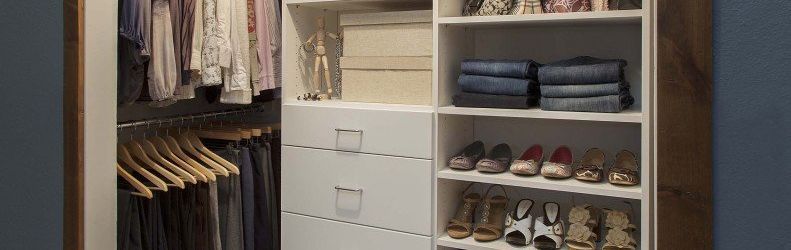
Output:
x=684 y=96
x=73 y=124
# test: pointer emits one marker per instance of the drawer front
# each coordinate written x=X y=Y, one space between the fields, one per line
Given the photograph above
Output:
x=303 y=232
x=397 y=133
x=381 y=191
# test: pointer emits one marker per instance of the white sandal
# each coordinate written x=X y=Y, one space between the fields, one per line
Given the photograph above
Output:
x=519 y=224
x=549 y=228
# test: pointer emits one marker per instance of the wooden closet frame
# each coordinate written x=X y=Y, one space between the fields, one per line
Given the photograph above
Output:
x=683 y=128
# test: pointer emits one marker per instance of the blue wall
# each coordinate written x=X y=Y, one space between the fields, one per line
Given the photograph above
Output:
x=752 y=124
x=31 y=134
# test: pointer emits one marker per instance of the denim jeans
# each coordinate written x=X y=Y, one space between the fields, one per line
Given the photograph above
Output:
x=474 y=100
x=501 y=68
x=582 y=70
x=604 y=104
x=586 y=90
x=497 y=85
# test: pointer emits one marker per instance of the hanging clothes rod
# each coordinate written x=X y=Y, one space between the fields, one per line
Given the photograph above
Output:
x=190 y=117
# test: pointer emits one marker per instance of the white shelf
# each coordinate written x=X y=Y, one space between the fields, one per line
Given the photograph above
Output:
x=627 y=116
x=471 y=244
x=539 y=182
x=361 y=105
x=615 y=16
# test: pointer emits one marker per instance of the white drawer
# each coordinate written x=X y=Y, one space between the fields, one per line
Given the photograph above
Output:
x=380 y=191
x=306 y=233
x=376 y=131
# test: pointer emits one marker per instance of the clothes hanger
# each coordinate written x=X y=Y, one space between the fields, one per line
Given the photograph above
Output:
x=152 y=153
x=184 y=143
x=142 y=190
x=177 y=148
x=137 y=151
x=195 y=141
x=126 y=158
x=201 y=173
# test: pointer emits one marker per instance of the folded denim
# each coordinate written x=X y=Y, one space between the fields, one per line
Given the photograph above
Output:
x=603 y=104
x=501 y=68
x=473 y=100
x=582 y=70
x=584 y=90
x=497 y=85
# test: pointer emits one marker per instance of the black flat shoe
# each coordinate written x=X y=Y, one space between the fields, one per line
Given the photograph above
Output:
x=468 y=157
x=497 y=161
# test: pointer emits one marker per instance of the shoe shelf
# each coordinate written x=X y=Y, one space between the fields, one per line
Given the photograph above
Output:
x=628 y=116
x=539 y=182
x=471 y=244
x=362 y=105
x=599 y=17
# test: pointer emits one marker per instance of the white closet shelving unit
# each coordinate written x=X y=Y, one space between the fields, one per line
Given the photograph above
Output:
x=397 y=132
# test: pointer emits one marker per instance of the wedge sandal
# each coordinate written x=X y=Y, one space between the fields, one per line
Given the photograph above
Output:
x=468 y=157
x=624 y=170
x=619 y=231
x=461 y=225
x=492 y=216
x=591 y=167
x=583 y=228
x=559 y=164
x=497 y=161
x=549 y=228
x=519 y=224
x=530 y=161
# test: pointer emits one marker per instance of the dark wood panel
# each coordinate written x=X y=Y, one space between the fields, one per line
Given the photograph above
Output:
x=684 y=86
x=73 y=51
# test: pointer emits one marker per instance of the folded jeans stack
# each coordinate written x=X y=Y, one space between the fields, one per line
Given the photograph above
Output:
x=585 y=84
x=498 y=84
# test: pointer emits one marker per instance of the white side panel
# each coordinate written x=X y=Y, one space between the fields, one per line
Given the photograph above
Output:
x=381 y=191
x=302 y=232
x=101 y=32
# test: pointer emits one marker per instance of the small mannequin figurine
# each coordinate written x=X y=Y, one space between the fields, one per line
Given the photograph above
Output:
x=321 y=58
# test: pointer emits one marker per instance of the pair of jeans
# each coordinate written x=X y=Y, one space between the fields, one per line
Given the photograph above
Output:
x=602 y=104
x=497 y=85
x=501 y=68
x=582 y=70
x=584 y=90
x=474 y=100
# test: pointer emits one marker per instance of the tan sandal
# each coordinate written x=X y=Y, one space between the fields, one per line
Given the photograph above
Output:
x=461 y=225
x=591 y=166
x=584 y=226
x=624 y=170
x=619 y=231
x=492 y=217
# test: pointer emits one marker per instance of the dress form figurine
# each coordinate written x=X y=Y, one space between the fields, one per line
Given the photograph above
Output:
x=321 y=58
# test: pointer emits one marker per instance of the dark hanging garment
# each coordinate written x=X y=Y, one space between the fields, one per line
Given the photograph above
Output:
x=128 y=237
x=263 y=212
x=248 y=198
x=230 y=204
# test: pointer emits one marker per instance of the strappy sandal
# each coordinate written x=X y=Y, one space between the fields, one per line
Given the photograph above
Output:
x=497 y=161
x=468 y=157
x=492 y=217
x=519 y=224
x=559 y=165
x=530 y=161
x=625 y=169
x=583 y=228
x=549 y=228
x=619 y=231
x=591 y=166
x=461 y=225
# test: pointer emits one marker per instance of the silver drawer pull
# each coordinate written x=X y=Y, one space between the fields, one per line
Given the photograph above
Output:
x=360 y=190
x=349 y=130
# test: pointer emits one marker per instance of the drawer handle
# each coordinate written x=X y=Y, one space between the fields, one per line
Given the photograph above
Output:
x=360 y=190
x=349 y=130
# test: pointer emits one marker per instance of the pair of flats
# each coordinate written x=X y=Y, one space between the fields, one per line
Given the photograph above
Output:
x=474 y=157
x=624 y=170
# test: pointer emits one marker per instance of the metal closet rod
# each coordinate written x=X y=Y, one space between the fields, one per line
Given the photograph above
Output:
x=190 y=117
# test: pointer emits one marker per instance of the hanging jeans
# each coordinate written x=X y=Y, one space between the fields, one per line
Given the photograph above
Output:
x=525 y=69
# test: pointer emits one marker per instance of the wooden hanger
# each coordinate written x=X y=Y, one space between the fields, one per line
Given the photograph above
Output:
x=142 y=190
x=137 y=151
x=195 y=141
x=187 y=146
x=226 y=135
x=152 y=153
x=126 y=158
x=197 y=170
x=174 y=146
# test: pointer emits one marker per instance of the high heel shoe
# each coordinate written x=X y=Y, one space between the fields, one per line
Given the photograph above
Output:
x=461 y=225
x=492 y=217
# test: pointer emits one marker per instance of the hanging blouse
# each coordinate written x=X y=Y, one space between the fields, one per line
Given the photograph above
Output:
x=237 y=80
x=264 y=41
x=274 y=35
x=213 y=44
x=197 y=42
x=162 y=70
